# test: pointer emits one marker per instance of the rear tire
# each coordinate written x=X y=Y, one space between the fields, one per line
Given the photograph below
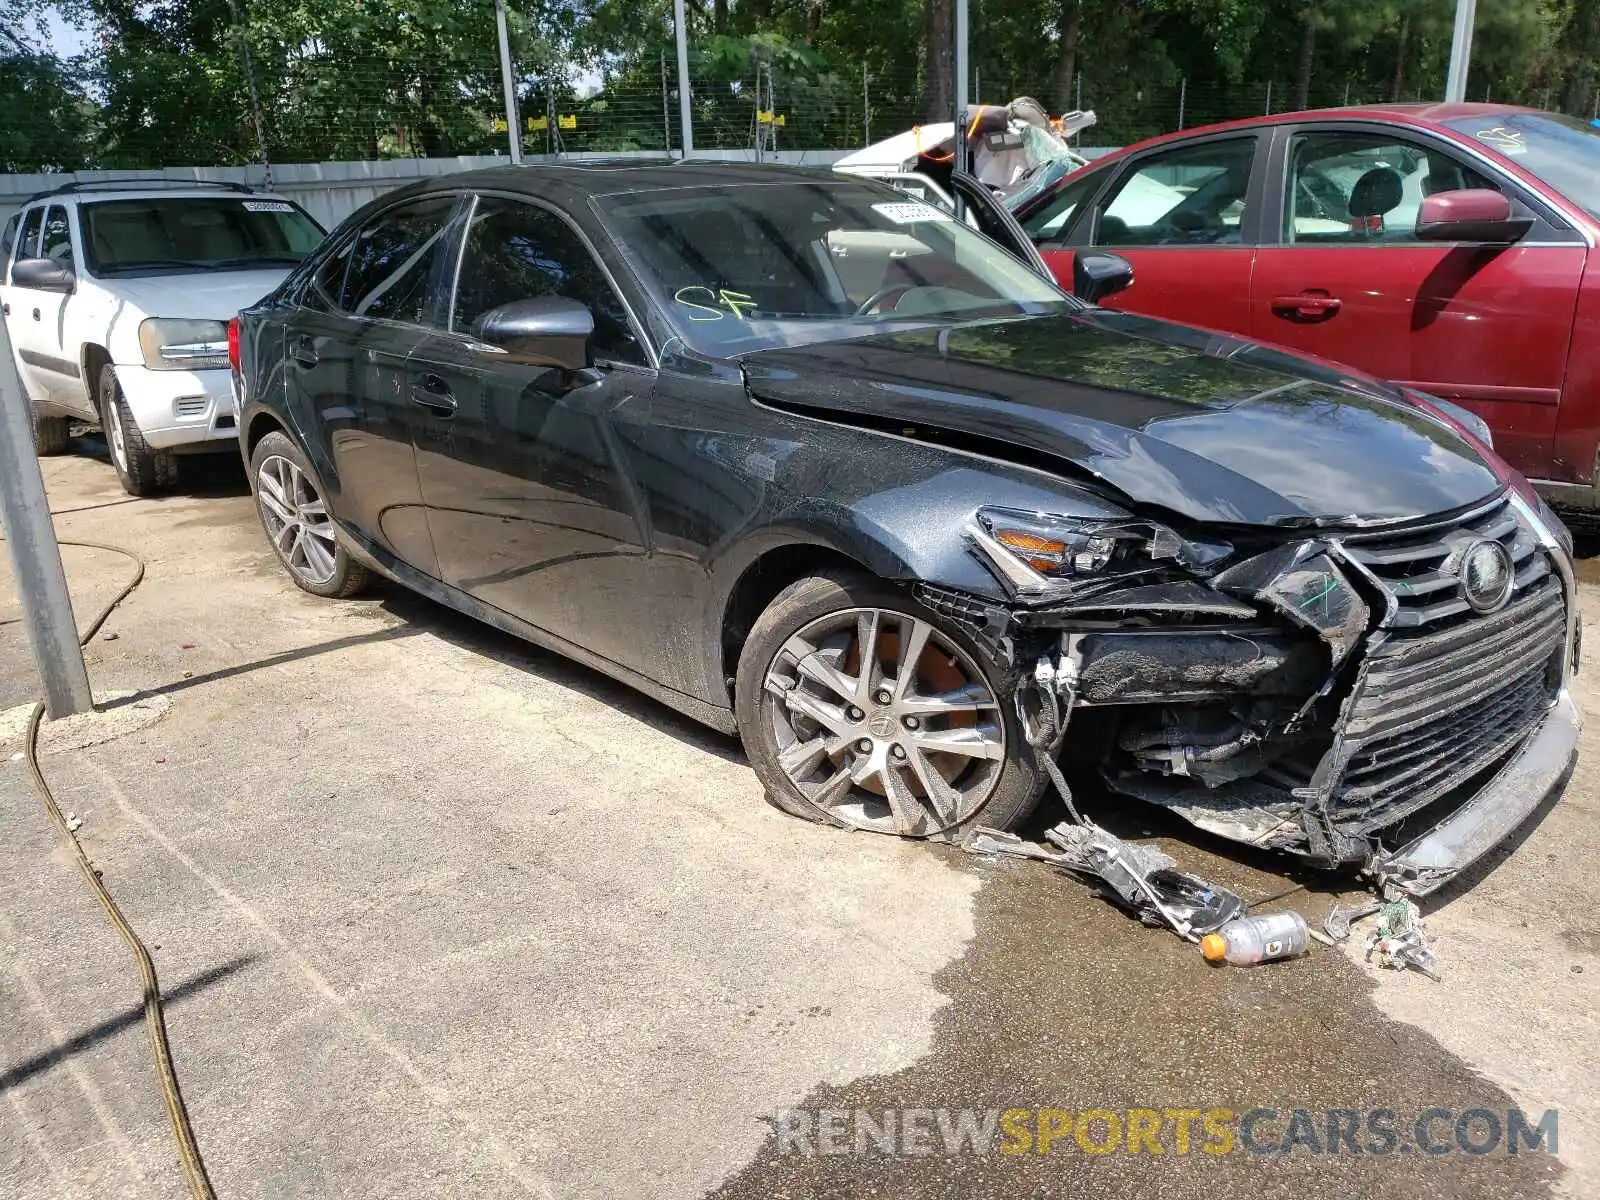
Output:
x=290 y=503
x=929 y=757
x=144 y=471
x=50 y=435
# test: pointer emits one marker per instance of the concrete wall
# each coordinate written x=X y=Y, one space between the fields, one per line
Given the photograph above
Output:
x=332 y=191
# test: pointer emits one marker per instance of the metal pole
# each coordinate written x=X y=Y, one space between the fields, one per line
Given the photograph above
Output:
x=1183 y=95
x=866 y=107
x=513 y=134
x=255 y=96
x=1347 y=93
x=666 y=119
x=1269 y=97
x=958 y=141
x=35 y=557
x=1455 y=87
x=685 y=112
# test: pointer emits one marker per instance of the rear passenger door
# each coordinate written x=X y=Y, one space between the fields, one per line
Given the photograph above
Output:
x=532 y=508
x=362 y=312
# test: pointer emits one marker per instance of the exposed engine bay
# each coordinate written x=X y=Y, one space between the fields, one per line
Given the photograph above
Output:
x=1333 y=696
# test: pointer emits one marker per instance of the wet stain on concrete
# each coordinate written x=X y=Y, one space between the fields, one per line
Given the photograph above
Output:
x=1063 y=1002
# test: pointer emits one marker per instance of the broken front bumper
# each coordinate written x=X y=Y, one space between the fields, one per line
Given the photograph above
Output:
x=1483 y=822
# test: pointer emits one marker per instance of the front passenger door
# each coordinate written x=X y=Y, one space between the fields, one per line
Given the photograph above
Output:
x=531 y=506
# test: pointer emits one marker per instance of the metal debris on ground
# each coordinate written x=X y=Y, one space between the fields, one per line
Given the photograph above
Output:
x=1400 y=939
x=1141 y=879
x=1338 y=921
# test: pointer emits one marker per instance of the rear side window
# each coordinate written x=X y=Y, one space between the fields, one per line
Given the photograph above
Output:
x=389 y=265
x=517 y=251
x=57 y=241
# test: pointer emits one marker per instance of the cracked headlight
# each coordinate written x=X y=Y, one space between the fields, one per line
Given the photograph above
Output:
x=1039 y=553
x=175 y=344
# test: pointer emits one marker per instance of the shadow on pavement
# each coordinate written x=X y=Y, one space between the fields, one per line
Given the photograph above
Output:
x=30 y=1067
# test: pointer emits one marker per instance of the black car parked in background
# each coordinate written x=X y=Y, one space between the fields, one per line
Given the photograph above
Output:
x=827 y=467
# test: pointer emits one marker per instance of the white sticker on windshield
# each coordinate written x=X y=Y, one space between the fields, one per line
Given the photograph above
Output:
x=1507 y=141
x=909 y=212
x=268 y=206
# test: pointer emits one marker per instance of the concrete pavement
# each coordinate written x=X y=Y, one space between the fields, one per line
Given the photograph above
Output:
x=442 y=915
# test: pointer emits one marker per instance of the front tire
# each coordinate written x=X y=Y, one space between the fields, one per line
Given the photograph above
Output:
x=289 y=500
x=923 y=743
x=144 y=470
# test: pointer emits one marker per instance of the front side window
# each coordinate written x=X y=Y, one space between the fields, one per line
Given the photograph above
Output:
x=1192 y=195
x=1048 y=222
x=174 y=234
x=389 y=265
x=518 y=251
x=57 y=237
x=1562 y=151
x=28 y=240
x=758 y=265
x=1365 y=188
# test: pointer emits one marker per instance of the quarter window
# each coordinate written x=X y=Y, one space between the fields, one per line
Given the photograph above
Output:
x=387 y=269
x=57 y=242
x=1360 y=188
x=517 y=251
x=1192 y=195
x=8 y=239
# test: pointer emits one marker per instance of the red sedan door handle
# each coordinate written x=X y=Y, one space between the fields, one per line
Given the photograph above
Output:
x=1307 y=306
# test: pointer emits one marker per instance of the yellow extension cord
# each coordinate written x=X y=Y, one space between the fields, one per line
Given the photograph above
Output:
x=155 y=1022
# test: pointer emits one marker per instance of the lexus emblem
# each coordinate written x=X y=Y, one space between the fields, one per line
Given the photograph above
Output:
x=1486 y=576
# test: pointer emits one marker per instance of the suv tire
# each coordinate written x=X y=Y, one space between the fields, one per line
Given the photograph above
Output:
x=50 y=435
x=144 y=471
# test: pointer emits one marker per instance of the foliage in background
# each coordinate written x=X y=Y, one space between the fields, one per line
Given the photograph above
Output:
x=164 y=82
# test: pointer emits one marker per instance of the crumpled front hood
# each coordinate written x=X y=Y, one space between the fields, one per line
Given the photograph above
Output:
x=1204 y=425
x=202 y=295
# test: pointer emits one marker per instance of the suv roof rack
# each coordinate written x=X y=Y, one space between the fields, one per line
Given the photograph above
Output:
x=140 y=185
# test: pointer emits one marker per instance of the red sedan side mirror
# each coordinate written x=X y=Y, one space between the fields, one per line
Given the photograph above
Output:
x=1469 y=215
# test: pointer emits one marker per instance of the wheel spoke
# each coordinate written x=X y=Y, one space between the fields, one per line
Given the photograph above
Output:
x=909 y=815
x=912 y=645
x=274 y=505
x=799 y=758
x=846 y=687
x=314 y=507
x=318 y=555
x=835 y=791
x=830 y=716
x=970 y=741
x=972 y=698
x=867 y=623
x=944 y=799
x=287 y=538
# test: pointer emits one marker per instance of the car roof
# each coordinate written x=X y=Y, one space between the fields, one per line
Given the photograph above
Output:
x=1428 y=114
x=619 y=176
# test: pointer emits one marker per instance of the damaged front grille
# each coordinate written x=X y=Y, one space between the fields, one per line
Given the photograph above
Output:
x=1416 y=569
x=1431 y=709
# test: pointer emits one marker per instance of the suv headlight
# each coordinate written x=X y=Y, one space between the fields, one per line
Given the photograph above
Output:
x=1037 y=555
x=174 y=344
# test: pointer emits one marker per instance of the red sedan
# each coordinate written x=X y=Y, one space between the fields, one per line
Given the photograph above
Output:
x=1449 y=247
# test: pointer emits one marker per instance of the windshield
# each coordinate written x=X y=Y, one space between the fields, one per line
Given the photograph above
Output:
x=1562 y=151
x=761 y=265
x=195 y=233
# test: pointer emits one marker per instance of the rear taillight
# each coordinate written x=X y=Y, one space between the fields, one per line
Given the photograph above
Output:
x=233 y=343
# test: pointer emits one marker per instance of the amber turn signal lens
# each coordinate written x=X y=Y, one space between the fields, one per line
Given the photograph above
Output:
x=1042 y=554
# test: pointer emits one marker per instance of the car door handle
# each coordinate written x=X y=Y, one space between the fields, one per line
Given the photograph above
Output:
x=433 y=393
x=304 y=353
x=1307 y=306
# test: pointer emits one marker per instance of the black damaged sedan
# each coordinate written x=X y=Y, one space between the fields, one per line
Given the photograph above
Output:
x=831 y=469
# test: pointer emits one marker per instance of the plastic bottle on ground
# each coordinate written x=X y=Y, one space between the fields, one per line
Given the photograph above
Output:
x=1249 y=940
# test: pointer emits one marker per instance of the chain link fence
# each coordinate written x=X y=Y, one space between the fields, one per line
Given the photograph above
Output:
x=249 y=94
